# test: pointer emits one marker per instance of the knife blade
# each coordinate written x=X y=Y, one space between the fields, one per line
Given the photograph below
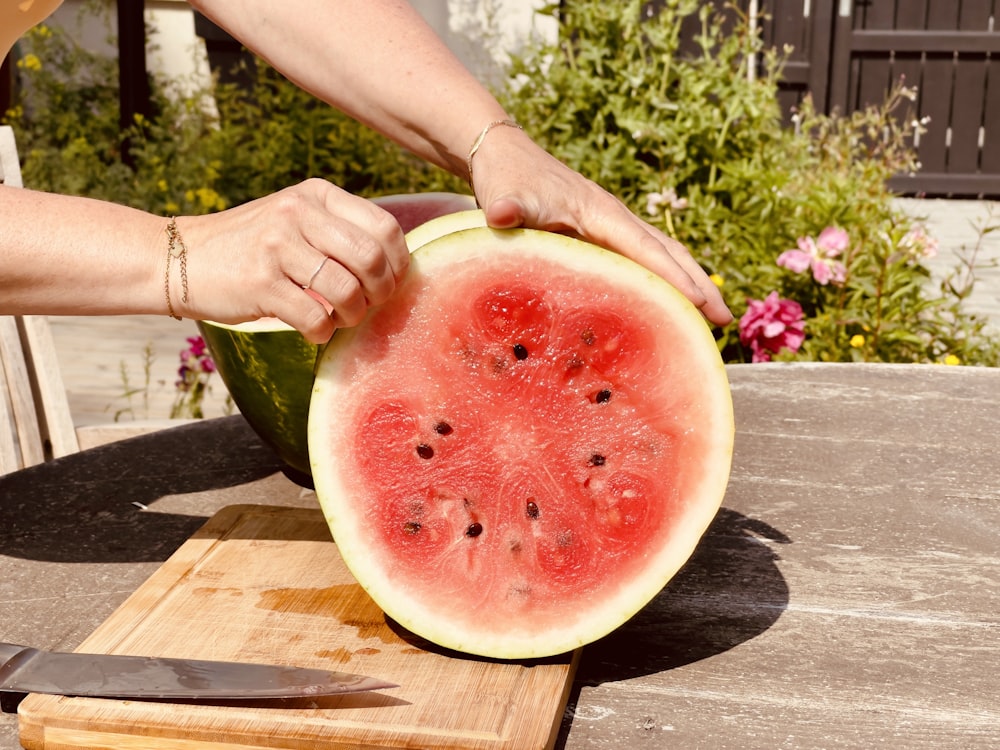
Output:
x=26 y=670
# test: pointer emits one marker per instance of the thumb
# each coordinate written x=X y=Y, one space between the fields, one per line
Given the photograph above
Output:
x=504 y=213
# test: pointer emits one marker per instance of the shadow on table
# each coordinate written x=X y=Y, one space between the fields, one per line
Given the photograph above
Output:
x=728 y=592
x=87 y=507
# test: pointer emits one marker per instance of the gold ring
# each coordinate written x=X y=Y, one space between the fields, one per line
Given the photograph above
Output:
x=316 y=273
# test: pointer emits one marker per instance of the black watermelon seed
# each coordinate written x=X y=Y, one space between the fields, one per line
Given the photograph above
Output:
x=475 y=529
x=425 y=451
x=532 y=509
x=588 y=337
x=597 y=460
x=520 y=352
x=442 y=428
x=411 y=527
x=603 y=397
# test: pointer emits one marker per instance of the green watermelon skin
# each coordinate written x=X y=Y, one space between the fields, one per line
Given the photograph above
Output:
x=269 y=375
x=513 y=455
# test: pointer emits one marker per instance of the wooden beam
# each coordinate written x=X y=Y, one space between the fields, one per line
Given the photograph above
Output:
x=6 y=85
x=132 y=75
x=914 y=40
x=942 y=183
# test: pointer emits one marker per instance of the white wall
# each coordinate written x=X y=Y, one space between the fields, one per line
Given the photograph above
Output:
x=479 y=32
x=482 y=32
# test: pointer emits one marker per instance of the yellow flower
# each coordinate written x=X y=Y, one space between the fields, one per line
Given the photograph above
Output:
x=951 y=359
x=172 y=207
x=30 y=62
x=857 y=341
x=717 y=280
x=161 y=185
x=210 y=199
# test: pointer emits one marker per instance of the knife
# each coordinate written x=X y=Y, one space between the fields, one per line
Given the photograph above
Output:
x=26 y=670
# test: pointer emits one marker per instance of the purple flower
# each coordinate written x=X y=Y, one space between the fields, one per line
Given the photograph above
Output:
x=771 y=325
x=818 y=254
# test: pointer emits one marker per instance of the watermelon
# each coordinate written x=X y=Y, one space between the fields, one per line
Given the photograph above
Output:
x=518 y=450
x=267 y=366
x=413 y=209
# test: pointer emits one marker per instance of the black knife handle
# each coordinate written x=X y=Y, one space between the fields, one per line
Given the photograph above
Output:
x=10 y=699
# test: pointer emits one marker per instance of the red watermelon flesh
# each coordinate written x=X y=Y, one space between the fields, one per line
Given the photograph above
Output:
x=518 y=451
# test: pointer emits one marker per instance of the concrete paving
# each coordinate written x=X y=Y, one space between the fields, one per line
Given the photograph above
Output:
x=102 y=359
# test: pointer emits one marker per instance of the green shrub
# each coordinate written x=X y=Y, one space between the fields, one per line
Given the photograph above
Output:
x=203 y=151
x=686 y=138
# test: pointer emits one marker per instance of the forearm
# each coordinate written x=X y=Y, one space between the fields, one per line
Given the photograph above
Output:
x=376 y=60
x=65 y=255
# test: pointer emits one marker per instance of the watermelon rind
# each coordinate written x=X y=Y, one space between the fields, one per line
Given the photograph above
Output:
x=443 y=225
x=351 y=508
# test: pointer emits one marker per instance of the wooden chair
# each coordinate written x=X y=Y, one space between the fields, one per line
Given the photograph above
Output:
x=35 y=419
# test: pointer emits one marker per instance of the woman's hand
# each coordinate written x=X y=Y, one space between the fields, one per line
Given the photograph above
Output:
x=284 y=255
x=520 y=184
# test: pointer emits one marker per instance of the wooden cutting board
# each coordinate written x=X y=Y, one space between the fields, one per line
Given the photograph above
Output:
x=266 y=584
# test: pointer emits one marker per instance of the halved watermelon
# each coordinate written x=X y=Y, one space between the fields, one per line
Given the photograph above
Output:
x=520 y=449
x=267 y=366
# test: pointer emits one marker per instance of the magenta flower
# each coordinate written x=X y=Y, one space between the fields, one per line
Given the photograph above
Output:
x=819 y=254
x=771 y=325
x=194 y=361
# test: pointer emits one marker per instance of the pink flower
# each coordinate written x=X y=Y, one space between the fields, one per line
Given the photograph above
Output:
x=819 y=255
x=771 y=325
x=918 y=244
x=833 y=241
x=826 y=271
x=193 y=361
x=796 y=261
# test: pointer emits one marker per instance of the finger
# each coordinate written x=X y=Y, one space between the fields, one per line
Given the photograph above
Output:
x=305 y=312
x=715 y=308
x=339 y=288
x=504 y=213
x=352 y=251
x=618 y=229
x=377 y=223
